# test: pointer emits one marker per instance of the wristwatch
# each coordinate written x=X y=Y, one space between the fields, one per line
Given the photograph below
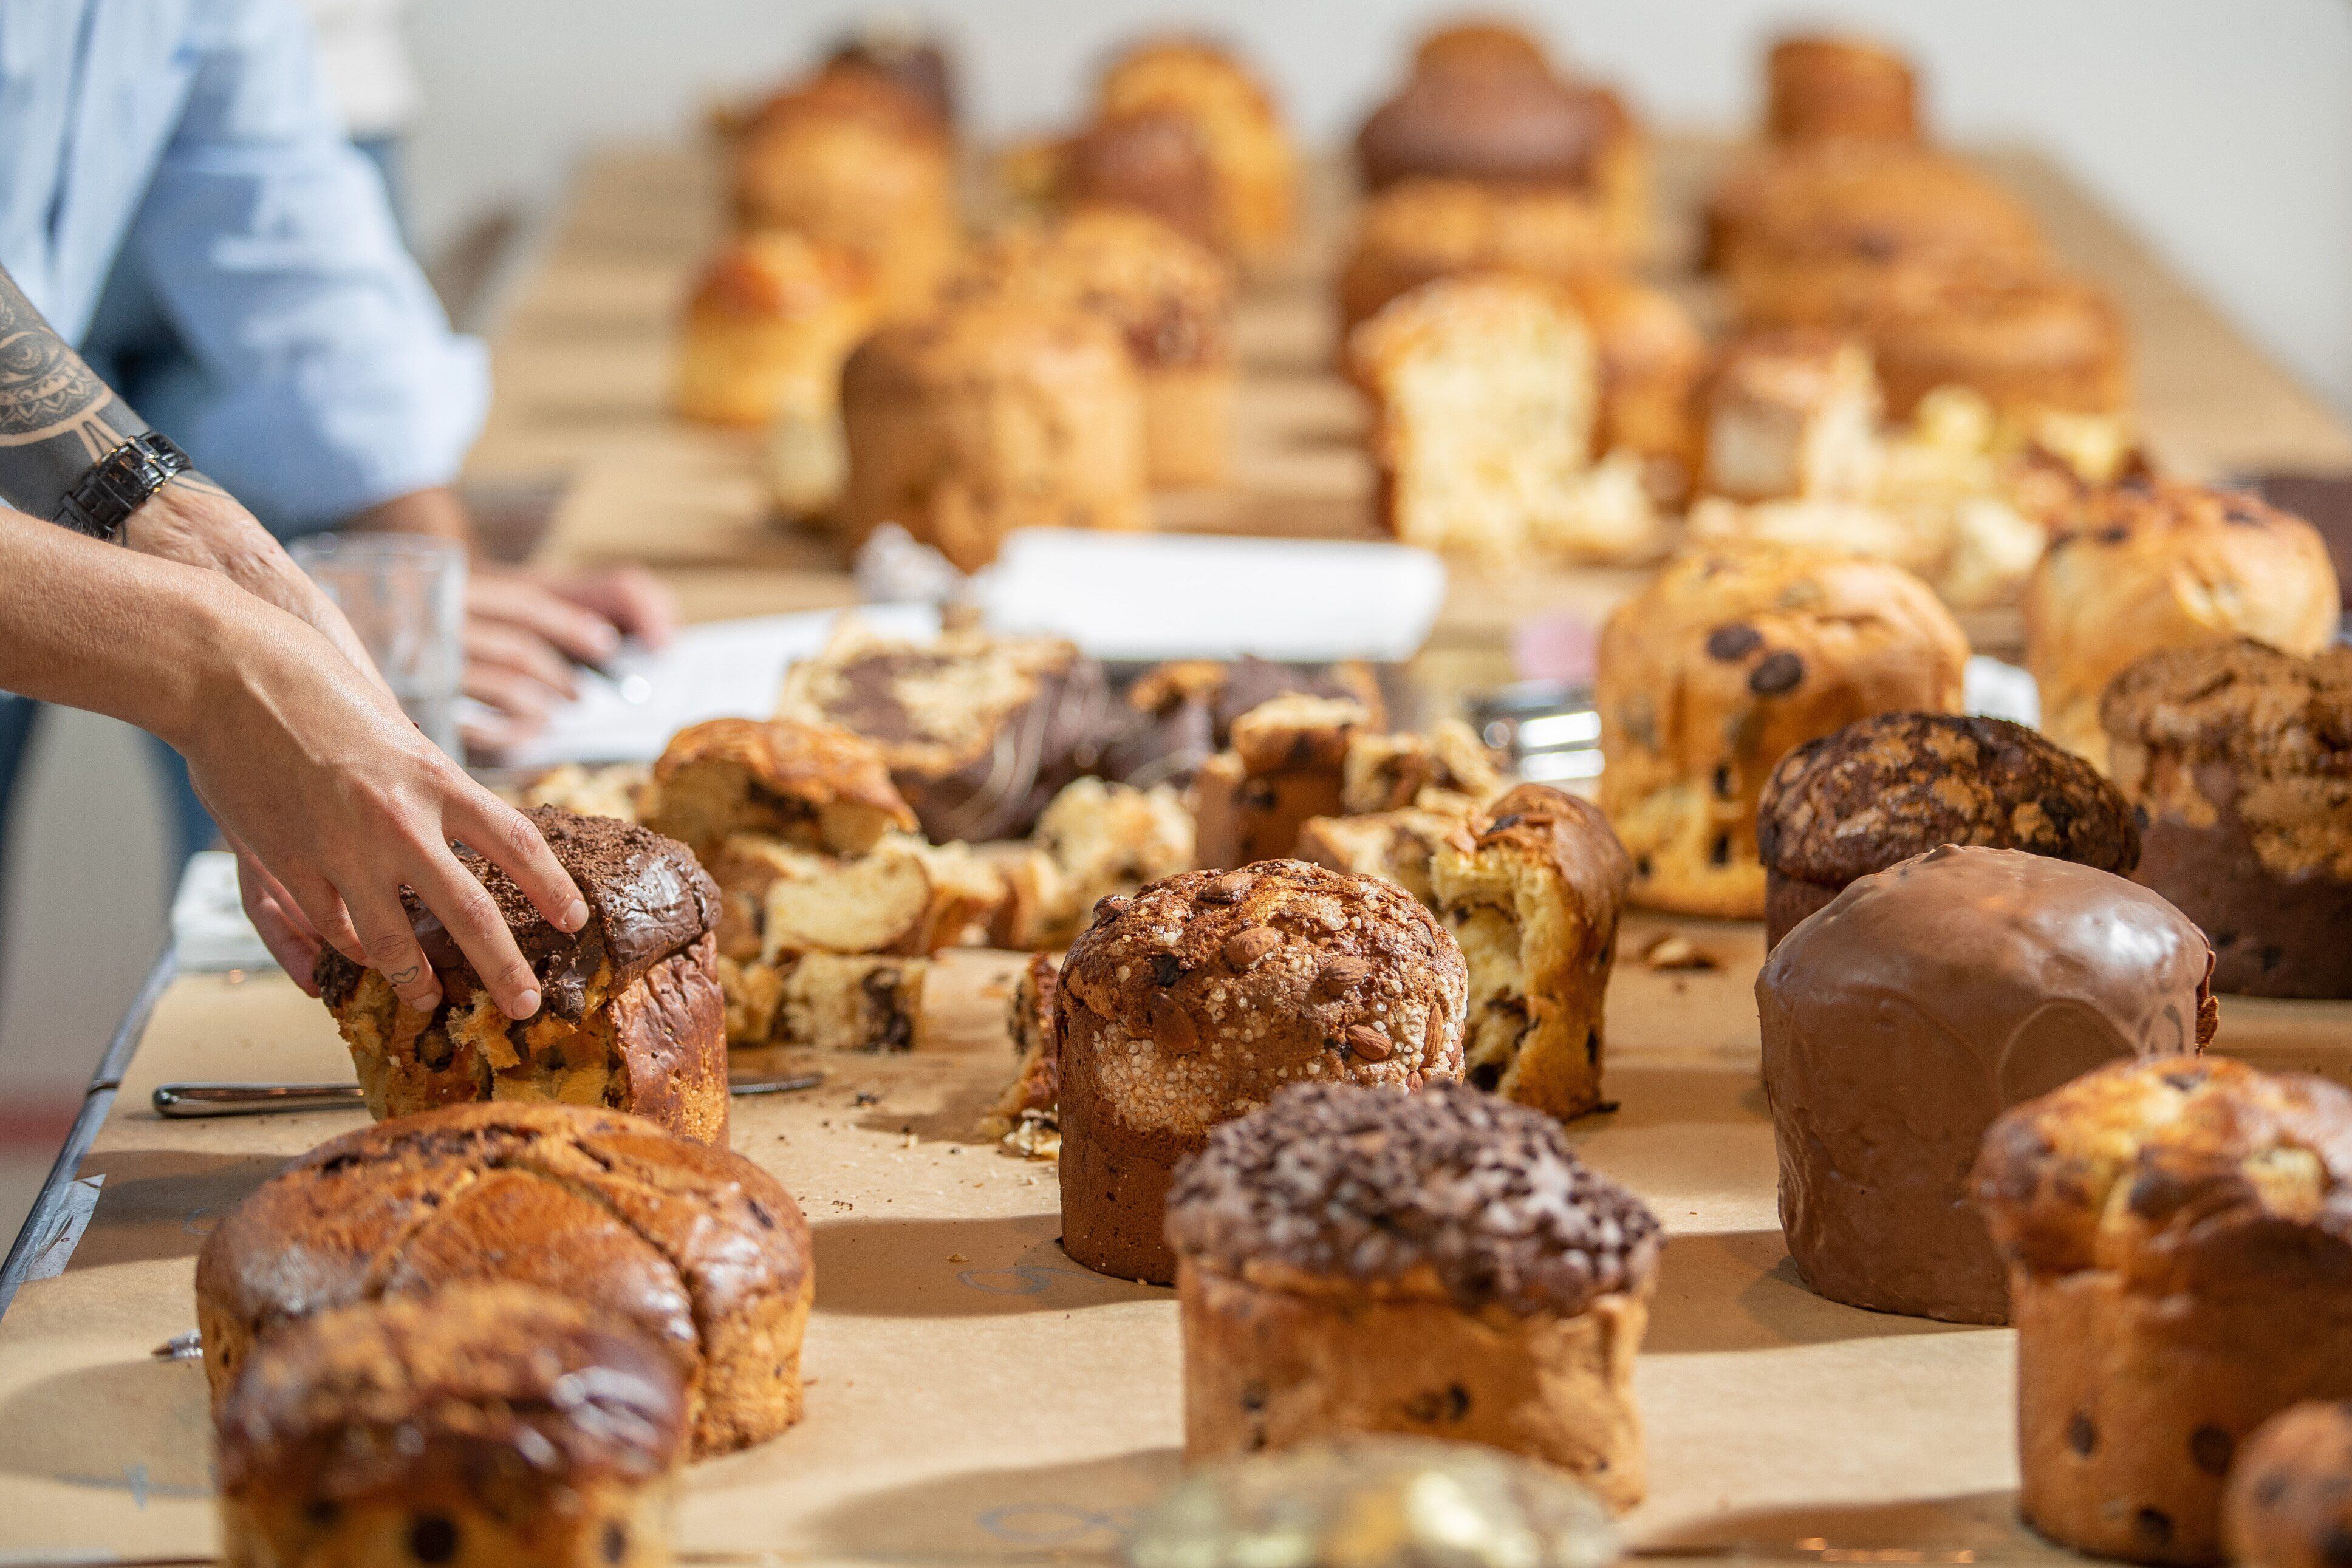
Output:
x=119 y=483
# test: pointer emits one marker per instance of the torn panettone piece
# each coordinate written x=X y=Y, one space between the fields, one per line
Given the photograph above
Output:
x=1025 y=1117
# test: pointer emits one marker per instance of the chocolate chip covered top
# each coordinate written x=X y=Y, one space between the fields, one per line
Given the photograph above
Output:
x=1450 y=1190
x=1883 y=790
x=1208 y=991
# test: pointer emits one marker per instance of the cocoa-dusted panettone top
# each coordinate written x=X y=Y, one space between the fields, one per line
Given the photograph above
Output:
x=1884 y=788
x=647 y=899
x=2266 y=713
x=1213 y=989
x=343 y=1404
x=1448 y=1190
x=2206 y=1175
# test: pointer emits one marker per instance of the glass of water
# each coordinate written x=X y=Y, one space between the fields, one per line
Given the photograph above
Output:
x=404 y=594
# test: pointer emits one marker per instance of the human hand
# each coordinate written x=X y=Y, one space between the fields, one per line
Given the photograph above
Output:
x=334 y=803
x=526 y=627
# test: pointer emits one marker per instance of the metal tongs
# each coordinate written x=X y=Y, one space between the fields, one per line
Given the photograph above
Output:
x=180 y=1101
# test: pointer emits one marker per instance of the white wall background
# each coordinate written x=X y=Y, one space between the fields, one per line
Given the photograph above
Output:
x=2221 y=128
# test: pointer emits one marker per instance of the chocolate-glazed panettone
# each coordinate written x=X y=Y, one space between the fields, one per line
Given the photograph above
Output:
x=1440 y=1264
x=1920 y=1004
x=631 y=1015
x=1194 y=1001
x=1532 y=887
x=697 y=1247
x=2288 y=1503
x=487 y=1424
x=979 y=732
x=1731 y=656
x=2237 y=759
x=1884 y=788
x=2179 y=1236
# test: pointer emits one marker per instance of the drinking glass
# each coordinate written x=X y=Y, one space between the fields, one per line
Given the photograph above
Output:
x=404 y=594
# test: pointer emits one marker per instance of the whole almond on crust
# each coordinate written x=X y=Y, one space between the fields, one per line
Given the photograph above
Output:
x=1367 y=1042
x=1227 y=889
x=1244 y=948
x=1172 y=1027
x=1342 y=974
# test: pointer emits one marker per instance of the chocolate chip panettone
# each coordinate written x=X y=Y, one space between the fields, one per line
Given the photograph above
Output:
x=1439 y=1264
x=1887 y=788
x=2289 y=1500
x=485 y=1425
x=2239 y=761
x=2179 y=1236
x=1727 y=659
x=1532 y=887
x=815 y=786
x=698 y=1248
x=631 y=1016
x=1194 y=1001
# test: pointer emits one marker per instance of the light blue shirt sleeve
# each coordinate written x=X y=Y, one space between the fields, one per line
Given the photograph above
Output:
x=317 y=373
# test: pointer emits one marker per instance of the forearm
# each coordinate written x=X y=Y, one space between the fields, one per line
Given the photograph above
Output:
x=436 y=511
x=56 y=418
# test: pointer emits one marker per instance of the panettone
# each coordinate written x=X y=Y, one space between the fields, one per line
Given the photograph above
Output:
x=812 y=785
x=2141 y=566
x=630 y=1014
x=1887 y=788
x=769 y=326
x=2179 y=1236
x=1151 y=160
x=481 y=1425
x=1652 y=357
x=1355 y=1259
x=2288 y=1503
x=1171 y=297
x=1253 y=165
x=2030 y=347
x=1194 y=1001
x=825 y=1001
x=1098 y=839
x=698 y=1248
x=1823 y=87
x=1532 y=888
x=1478 y=44
x=1920 y=1003
x=1175 y=715
x=852 y=158
x=991 y=414
x=2239 y=761
x=1420 y=230
x=892 y=47
x=1287 y=762
x=1792 y=413
x=1723 y=662
x=1848 y=204
x=1027 y=1115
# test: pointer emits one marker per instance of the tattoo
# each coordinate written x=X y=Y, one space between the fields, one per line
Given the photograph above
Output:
x=56 y=418
x=404 y=977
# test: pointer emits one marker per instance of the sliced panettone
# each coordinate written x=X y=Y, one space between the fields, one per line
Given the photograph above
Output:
x=1791 y=414
x=1026 y=1117
x=1286 y=763
x=904 y=896
x=814 y=785
x=829 y=1001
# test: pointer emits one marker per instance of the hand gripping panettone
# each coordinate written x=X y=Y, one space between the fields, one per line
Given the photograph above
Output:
x=2179 y=1236
x=1355 y=1259
x=1194 y=1001
x=698 y=1248
x=1419 y=230
x=1929 y=998
x=992 y=415
x=1532 y=887
x=2239 y=761
x=2141 y=566
x=1730 y=656
x=1824 y=87
x=1171 y=299
x=1884 y=788
x=484 y=1425
x=1253 y=165
x=631 y=1015
x=768 y=329
x=851 y=159
x=2288 y=1503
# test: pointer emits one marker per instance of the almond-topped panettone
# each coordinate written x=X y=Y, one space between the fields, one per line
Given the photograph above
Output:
x=2239 y=761
x=1485 y=391
x=852 y=158
x=1421 y=230
x=980 y=731
x=1355 y=1259
x=2141 y=566
x=482 y=1425
x=815 y=786
x=2179 y=1236
x=698 y=1248
x=1532 y=888
x=1728 y=657
x=1823 y=88
x=2289 y=1500
x=1252 y=165
x=988 y=415
x=1195 y=1001
x=768 y=329
x=1169 y=296
x=1931 y=996
x=1887 y=788
x=631 y=1015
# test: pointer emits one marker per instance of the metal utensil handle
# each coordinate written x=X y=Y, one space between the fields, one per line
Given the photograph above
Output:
x=186 y=1100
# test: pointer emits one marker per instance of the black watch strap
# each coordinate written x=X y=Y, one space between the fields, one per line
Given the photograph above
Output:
x=119 y=482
